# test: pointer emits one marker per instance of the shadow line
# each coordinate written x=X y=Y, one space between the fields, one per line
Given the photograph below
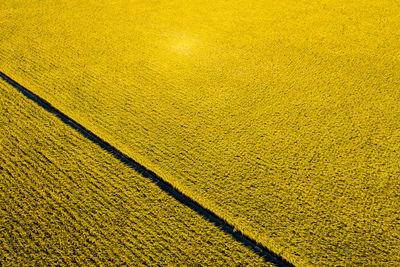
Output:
x=262 y=251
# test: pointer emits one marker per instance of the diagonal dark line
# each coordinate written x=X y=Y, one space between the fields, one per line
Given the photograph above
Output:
x=262 y=251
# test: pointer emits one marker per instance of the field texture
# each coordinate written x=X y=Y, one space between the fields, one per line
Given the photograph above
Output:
x=63 y=201
x=283 y=117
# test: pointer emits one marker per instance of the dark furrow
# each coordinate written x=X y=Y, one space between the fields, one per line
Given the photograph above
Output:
x=261 y=250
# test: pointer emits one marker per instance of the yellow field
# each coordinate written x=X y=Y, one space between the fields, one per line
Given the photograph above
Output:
x=282 y=117
x=64 y=200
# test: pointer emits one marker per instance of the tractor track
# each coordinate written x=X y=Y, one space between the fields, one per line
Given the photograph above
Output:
x=262 y=251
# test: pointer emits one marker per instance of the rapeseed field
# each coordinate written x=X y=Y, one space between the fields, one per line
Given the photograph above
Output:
x=65 y=201
x=282 y=117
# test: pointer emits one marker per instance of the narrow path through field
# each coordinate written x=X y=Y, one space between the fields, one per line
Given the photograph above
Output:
x=262 y=251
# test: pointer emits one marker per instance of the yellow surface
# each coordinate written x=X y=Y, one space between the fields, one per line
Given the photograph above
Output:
x=283 y=117
x=63 y=201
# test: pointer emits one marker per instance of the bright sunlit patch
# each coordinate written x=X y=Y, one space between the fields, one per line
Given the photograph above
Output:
x=183 y=45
